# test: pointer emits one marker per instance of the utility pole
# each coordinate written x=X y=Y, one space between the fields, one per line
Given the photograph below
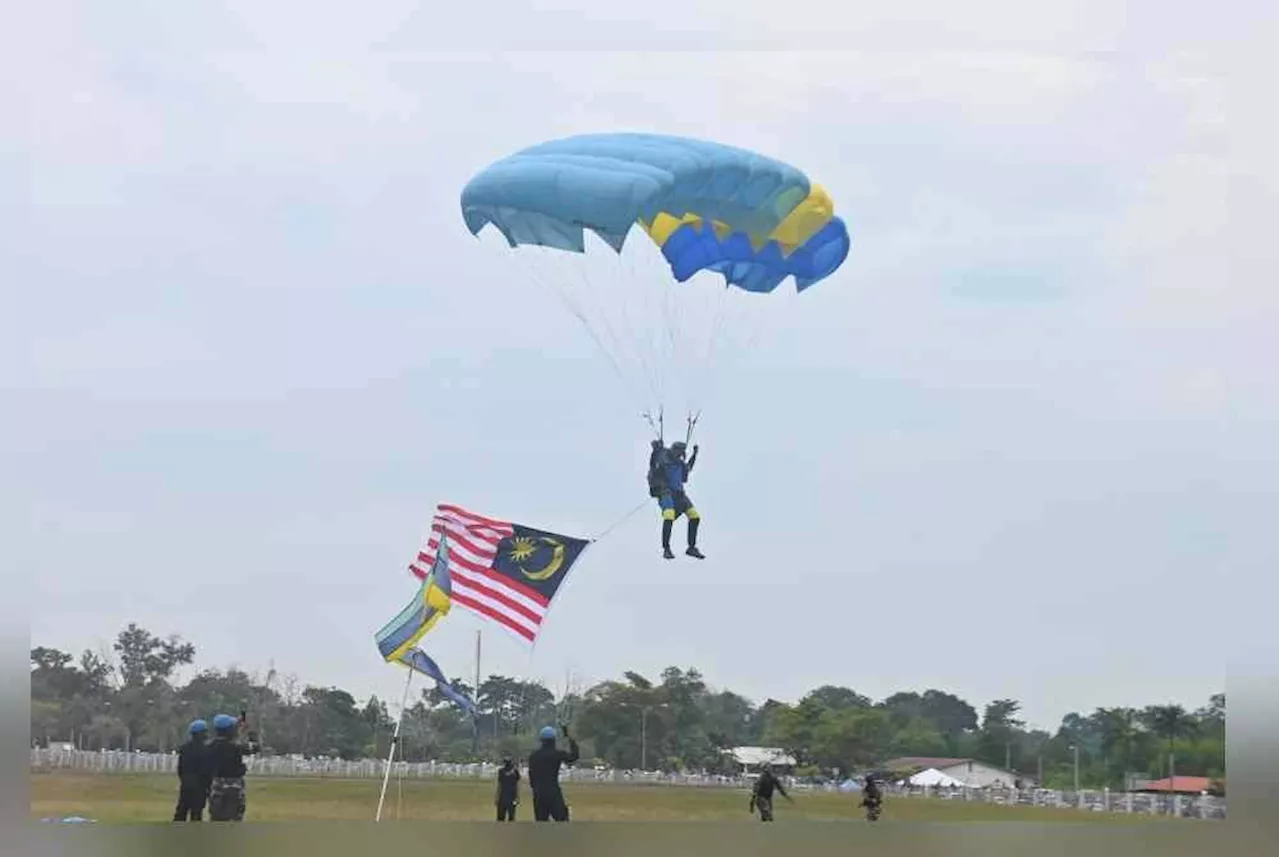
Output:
x=1075 y=768
x=644 y=738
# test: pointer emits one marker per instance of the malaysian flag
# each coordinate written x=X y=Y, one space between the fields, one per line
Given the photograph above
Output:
x=505 y=572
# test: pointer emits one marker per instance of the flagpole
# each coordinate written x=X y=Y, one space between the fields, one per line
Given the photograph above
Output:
x=475 y=720
x=395 y=740
x=399 y=779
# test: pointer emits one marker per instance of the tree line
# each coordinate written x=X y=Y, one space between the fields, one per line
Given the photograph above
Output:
x=128 y=698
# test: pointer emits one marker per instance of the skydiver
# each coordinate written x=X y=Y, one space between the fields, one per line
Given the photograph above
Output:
x=544 y=775
x=673 y=500
x=193 y=774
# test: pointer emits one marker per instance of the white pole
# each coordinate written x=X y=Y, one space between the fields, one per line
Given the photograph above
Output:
x=395 y=739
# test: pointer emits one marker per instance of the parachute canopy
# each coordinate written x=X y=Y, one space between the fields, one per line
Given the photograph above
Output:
x=707 y=206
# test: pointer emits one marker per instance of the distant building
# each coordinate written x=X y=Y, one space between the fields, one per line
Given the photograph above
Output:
x=971 y=772
x=750 y=759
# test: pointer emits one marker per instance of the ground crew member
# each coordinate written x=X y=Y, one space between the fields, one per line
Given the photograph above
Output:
x=227 y=768
x=762 y=793
x=544 y=775
x=193 y=774
x=507 y=795
x=872 y=797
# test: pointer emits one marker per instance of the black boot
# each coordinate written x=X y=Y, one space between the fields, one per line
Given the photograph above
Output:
x=666 y=539
x=693 y=539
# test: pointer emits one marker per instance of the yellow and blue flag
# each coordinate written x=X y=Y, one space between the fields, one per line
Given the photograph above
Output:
x=432 y=601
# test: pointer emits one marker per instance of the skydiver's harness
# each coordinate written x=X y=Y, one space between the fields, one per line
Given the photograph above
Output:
x=657 y=459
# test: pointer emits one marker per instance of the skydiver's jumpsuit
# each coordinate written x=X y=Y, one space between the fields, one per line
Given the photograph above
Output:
x=544 y=780
x=193 y=779
x=674 y=502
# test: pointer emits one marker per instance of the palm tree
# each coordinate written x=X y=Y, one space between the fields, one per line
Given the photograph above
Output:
x=1119 y=729
x=1170 y=722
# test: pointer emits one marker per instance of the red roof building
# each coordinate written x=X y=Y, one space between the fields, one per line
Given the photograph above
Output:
x=1180 y=785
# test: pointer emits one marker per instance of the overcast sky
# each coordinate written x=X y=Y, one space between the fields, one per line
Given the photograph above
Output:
x=1024 y=439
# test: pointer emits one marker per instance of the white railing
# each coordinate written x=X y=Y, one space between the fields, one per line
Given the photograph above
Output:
x=121 y=762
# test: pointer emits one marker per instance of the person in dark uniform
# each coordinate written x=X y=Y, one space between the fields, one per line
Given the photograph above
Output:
x=544 y=775
x=872 y=797
x=762 y=793
x=193 y=774
x=507 y=796
x=227 y=769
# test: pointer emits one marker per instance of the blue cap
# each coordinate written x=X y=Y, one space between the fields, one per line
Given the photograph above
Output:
x=198 y=726
x=223 y=721
x=547 y=733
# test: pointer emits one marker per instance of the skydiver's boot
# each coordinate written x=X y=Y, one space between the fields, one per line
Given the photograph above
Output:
x=693 y=539
x=666 y=539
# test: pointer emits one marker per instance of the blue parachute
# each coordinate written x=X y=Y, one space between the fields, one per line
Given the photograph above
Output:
x=707 y=207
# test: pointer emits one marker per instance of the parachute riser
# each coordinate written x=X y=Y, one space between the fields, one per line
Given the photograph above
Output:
x=656 y=426
x=690 y=423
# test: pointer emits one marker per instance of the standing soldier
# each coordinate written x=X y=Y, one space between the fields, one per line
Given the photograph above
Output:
x=508 y=794
x=762 y=793
x=872 y=797
x=544 y=775
x=193 y=774
x=226 y=762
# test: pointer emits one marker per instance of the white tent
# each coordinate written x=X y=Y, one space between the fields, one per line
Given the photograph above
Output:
x=934 y=777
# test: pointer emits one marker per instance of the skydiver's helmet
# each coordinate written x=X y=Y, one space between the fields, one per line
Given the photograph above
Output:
x=198 y=727
x=224 y=725
x=548 y=733
x=506 y=761
x=677 y=449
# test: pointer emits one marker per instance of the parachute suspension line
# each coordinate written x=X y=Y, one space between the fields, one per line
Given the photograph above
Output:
x=670 y=328
x=613 y=335
x=636 y=287
x=754 y=331
x=534 y=274
x=699 y=380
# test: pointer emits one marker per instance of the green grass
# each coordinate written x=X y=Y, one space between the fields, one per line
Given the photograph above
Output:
x=133 y=798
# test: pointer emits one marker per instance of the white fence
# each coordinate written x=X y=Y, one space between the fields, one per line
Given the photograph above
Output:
x=118 y=761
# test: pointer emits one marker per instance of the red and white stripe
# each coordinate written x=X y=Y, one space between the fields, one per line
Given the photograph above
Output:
x=473 y=545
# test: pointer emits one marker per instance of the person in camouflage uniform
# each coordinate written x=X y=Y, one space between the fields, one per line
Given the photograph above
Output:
x=762 y=793
x=226 y=762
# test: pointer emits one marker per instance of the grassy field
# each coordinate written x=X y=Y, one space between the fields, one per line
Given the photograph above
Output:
x=128 y=798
